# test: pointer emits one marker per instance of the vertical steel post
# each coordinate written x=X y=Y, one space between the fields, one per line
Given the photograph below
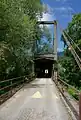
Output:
x=55 y=41
x=33 y=67
x=55 y=50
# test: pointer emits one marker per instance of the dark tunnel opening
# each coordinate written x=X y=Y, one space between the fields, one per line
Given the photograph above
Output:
x=43 y=68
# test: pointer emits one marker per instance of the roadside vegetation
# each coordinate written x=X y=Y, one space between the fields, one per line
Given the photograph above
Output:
x=69 y=70
x=19 y=36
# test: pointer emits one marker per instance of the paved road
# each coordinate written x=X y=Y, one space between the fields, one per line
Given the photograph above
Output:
x=38 y=100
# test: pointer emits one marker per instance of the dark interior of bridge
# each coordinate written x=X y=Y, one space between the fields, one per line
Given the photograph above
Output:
x=42 y=65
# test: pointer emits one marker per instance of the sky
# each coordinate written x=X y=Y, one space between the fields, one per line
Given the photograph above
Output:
x=62 y=11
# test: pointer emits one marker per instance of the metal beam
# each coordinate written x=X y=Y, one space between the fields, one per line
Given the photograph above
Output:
x=55 y=41
x=47 y=22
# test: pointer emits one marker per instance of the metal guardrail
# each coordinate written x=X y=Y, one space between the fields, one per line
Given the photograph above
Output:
x=15 y=78
x=7 y=86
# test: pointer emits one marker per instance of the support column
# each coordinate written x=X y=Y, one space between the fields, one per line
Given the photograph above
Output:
x=55 y=50
x=55 y=41
x=33 y=67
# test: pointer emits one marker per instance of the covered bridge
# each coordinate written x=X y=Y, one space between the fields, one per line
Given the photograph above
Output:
x=43 y=65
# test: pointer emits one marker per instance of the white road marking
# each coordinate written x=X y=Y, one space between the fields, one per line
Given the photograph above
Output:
x=37 y=95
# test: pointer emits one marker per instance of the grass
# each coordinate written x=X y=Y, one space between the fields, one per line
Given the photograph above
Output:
x=73 y=93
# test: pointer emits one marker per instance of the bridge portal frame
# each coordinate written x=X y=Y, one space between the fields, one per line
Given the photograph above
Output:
x=54 y=45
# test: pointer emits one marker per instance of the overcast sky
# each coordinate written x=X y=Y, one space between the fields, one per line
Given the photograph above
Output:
x=61 y=10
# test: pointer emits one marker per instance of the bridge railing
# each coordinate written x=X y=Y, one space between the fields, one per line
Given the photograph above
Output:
x=67 y=86
x=70 y=94
x=10 y=86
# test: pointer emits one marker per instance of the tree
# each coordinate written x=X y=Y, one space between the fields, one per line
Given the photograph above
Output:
x=18 y=33
x=72 y=72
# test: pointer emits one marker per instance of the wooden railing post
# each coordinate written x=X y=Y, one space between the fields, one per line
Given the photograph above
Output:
x=11 y=86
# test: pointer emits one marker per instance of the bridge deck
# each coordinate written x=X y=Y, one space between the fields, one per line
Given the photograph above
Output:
x=38 y=100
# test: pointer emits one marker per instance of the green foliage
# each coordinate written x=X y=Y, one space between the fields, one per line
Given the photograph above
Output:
x=18 y=34
x=74 y=28
x=73 y=93
x=72 y=72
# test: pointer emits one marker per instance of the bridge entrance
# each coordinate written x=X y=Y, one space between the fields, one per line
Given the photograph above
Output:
x=44 y=65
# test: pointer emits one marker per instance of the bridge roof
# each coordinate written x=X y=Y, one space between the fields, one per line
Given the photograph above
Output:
x=44 y=56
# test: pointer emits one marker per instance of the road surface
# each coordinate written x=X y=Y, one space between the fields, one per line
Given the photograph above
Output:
x=39 y=100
